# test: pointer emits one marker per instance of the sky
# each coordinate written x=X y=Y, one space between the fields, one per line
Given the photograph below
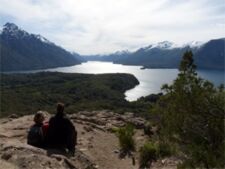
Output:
x=105 y=26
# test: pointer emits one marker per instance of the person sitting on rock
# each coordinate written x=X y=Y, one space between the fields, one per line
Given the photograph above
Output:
x=61 y=132
x=35 y=135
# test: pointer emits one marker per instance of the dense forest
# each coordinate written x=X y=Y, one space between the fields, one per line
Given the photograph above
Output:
x=26 y=93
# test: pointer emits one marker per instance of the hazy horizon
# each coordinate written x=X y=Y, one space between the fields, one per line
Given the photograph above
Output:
x=98 y=26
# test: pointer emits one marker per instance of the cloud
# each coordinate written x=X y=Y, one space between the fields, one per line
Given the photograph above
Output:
x=104 y=26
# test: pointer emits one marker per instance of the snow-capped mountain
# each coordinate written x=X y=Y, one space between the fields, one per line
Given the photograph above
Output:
x=167 y=45
x=12 y=30
x=209 y=55
x=162 y=45
x=21 y=50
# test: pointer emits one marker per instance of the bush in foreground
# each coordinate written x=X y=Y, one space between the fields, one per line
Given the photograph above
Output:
x=126 y=140
x=151 y=151
x=148 y=154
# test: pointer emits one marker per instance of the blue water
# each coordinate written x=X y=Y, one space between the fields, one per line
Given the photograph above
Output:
x=150 y=80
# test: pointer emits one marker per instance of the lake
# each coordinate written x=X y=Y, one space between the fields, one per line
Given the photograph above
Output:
x=150 y=80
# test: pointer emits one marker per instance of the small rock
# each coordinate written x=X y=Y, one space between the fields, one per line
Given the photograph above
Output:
x=6 y=156
x=140 y=138
x=90 y=138
x=57 y=157
x=90 y=146
x=80 y=143
x=116 y=151
x=119 y=118
x=24 y=165
x=80 y=139
x=13 y=116
x=87 y=128
x=83 y=149
x=163 y=161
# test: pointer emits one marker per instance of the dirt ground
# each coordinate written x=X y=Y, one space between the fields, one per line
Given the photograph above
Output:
x=97 y=146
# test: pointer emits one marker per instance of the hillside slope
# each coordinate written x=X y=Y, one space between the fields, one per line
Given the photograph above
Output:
x=20 y=50
x=211 y=55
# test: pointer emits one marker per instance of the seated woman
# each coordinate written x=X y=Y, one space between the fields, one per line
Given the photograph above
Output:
x=37 y=132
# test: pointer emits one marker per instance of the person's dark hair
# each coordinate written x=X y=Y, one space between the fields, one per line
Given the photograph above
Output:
x=60 y=108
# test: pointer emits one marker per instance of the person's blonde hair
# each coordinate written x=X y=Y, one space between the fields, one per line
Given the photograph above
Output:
x=39 y=117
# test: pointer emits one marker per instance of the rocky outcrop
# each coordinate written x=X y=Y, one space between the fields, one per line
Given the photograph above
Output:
x=25 y=156
x=106 y=120
x=15 y=153
x=97 y=146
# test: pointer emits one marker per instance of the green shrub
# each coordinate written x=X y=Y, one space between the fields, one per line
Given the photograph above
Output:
x=151 y=151
x=148 y=153
x=164 y=150
x=114 y=129
x=126 y=140
x=147 y=129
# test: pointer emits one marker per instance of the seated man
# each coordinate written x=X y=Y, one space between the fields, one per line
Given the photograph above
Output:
x=61 y=131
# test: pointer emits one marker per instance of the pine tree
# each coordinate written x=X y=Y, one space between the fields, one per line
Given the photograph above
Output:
x=192 y=115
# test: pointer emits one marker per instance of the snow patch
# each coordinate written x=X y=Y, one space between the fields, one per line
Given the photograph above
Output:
x=195 y=44
x=15 y=31
x=163 y=45
x=167 y=45
x=43 y=39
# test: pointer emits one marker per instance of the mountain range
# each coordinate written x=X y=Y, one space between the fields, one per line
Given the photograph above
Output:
x=209 y=55
x=20 y=50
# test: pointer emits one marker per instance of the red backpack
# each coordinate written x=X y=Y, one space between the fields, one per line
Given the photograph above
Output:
x=45 y=128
